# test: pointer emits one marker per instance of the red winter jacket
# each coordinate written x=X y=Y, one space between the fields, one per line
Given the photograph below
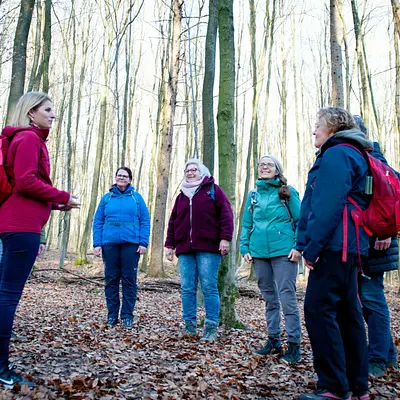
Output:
x=204 y=224
x=28 y=168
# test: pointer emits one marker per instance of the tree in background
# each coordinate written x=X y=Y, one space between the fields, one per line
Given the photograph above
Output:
x=227 y=152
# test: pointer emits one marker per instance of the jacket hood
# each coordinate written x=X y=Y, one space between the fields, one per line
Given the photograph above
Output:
x=10 y=131
x=352 y=136
x=114 y=189
x=355 y=135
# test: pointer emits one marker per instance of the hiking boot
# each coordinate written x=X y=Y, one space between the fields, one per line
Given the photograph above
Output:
x=272 y=346
x=112 y=321
x=375 y=370
x=392 y=364
x=210 y=332
x=360 y=396
x=127 y=323
x=323 y=394
x=9 y=378
x=190 y=329
x=292 y=354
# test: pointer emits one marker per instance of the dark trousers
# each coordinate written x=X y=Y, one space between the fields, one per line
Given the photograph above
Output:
x=19 y=254
x=335 y=324
x=120 y=264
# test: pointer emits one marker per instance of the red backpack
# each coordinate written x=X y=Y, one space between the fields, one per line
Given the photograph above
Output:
x=382 y=216
x=5 y=187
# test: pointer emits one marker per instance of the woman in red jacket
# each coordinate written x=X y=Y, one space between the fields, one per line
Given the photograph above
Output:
x=199 y=229
x=25 y=212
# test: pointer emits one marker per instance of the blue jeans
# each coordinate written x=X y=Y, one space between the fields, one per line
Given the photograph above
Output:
x=19 y=254
x=203 y=265
x=277 y=283
x=381 y=349
x=120 y=264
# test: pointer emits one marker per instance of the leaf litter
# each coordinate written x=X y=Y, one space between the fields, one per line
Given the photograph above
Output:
x=61 y=339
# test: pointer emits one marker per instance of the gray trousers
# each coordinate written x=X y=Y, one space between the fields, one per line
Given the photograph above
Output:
x=277 y=283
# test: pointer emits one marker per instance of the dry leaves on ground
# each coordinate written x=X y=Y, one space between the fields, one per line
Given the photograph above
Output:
x=61 y=340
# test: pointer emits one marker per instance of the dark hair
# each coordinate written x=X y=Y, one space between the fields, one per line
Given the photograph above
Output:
x=126 y=169
x=284 y=191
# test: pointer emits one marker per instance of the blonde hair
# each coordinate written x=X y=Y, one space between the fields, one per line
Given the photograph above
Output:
x=336 y=119
x=29 y=101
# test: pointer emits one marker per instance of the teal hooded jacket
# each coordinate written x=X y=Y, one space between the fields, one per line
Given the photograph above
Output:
x=266 y=227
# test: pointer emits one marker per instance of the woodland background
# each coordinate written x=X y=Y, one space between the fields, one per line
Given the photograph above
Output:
x=137 y=83
x=148 y=84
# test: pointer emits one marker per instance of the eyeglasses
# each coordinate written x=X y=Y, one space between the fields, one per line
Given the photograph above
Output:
x=191 y=171
x=123 y=176
x=264 y=165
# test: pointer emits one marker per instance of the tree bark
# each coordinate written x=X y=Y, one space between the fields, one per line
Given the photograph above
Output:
x=156 y=267
x=227 y=152
x=396 y=15
x=18 y=69
x=208 y=87
x=336 y=53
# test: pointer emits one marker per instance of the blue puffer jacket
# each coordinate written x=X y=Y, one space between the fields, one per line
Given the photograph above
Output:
x=382 y=260
x=121 y=218
x=337 y=173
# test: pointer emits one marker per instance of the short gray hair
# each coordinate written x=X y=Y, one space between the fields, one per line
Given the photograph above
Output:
x=29 y=101
x=278 y=164
x=204 y=171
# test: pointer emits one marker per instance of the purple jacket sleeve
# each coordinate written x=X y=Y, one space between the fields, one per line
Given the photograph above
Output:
x=226 y=217
x=170 y=240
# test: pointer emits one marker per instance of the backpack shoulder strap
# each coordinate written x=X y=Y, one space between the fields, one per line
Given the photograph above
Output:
x=211 y=191
x=253 y=199
x=285 y=203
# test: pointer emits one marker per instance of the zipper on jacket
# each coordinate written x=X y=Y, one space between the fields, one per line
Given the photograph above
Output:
x=190 y=218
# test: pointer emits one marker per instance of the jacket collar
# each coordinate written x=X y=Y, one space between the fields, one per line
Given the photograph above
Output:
x=10 y=131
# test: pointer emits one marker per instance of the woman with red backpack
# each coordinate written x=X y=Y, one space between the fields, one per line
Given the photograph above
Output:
x=327 y=238
x=24 y=213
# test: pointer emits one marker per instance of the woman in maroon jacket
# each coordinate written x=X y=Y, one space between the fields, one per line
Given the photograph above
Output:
x=199 y=229
x=25 y=212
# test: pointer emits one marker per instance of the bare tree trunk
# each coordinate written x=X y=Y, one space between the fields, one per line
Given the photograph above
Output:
x=396 y=15
x=18 y=69
x=38 y=46
x=156 y=267
x=336 y=53
x=227 y=152
x=99 y=158
x=208 y=87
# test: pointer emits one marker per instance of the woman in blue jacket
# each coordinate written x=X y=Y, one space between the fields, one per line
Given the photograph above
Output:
x=121 y=231
x=327 y=238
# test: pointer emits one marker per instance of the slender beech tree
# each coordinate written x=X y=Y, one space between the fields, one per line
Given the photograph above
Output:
x=156 y=267
x=336 y=53
x=396 y=15
x=208 y=86
x=227 y=151
x=18 y=69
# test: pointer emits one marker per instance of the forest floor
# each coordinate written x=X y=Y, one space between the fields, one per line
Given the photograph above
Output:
x=61 y=340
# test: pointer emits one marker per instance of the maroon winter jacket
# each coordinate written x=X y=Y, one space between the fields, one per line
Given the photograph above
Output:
x=28 y=168
x=202 y=225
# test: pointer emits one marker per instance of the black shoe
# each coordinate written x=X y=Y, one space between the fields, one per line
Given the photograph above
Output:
x=323 y=394
x=9 y=378
x=272 y=346
x=360 y=396
x=112 y=321
x=127 y=323
x=292 y=354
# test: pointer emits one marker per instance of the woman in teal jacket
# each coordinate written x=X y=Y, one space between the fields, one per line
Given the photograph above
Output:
x=268 y=239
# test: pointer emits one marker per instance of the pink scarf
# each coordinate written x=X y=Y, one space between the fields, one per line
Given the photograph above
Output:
x=190 y=188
